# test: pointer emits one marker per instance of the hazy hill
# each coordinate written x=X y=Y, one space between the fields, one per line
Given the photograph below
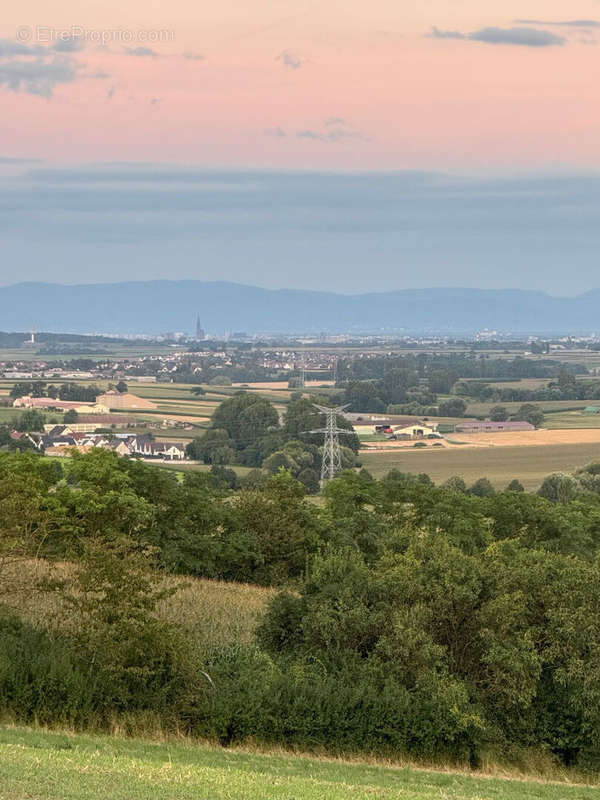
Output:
x=156 y=306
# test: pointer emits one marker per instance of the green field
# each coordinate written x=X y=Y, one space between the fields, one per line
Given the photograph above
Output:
x=500 y=464
x=572 y=419
x=8 y=414
x=194 y=466
x=548 y=406
x=35 y=765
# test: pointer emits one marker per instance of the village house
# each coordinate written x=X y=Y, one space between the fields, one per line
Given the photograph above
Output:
x=63 y=438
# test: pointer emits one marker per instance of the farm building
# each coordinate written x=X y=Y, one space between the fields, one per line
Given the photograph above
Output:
x=61 y=405
x=416 y=430
x=486 y=426
x=400 y=427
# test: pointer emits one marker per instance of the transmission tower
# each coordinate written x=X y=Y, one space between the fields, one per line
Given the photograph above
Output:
x=301 y=369
x=331 y=463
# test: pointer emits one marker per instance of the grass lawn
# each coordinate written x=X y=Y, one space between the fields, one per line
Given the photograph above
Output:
x=52 y=766
x=501 y=464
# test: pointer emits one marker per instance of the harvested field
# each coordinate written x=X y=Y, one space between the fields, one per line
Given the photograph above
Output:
x=541 y=437
x=537 y=438
x=530 y=464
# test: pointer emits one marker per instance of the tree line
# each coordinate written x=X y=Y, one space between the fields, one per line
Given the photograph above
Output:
x=246 y=429
x=427 y=620
x=75 y=392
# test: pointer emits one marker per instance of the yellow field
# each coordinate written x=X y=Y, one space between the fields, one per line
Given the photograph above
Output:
x=543 y=437
x=214 y=612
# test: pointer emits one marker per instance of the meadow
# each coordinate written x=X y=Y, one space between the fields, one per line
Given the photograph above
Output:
x=475 y=409
x=61 y=766
x=572 y=420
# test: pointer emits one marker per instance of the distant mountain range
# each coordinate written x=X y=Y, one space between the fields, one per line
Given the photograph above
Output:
x=152 y=307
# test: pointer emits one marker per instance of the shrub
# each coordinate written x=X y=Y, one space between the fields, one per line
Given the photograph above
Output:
x=482 y=488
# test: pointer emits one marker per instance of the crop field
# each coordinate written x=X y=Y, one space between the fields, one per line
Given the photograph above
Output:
x=174 y=391
x=547 y=406
x=56 y=766
x=523 y=383
x=214 y=612
x=530 y=464
x=572 y=419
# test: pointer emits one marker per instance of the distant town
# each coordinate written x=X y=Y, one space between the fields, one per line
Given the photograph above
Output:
x=152 y=399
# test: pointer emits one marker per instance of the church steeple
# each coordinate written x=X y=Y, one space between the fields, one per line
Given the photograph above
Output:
x=199 y=329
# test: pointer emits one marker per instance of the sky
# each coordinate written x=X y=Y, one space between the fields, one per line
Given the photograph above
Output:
x=300 y=143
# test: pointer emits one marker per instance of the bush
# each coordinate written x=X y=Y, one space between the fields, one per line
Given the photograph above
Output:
x=559 y=488
x=353 y=708
x=455 y=484
x=482 y=488
x=50 y=678
x=224 y=478
x=30 y=420
x=39 y=679
x=455 y=407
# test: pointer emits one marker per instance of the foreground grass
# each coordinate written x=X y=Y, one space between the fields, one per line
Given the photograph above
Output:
x=50 y=766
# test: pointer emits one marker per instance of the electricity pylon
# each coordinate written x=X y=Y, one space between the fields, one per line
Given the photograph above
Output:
x=331 y=463
x=301 y=369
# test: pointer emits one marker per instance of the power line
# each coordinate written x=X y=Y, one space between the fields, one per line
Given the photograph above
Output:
x=301 y=368
x=331 y=462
